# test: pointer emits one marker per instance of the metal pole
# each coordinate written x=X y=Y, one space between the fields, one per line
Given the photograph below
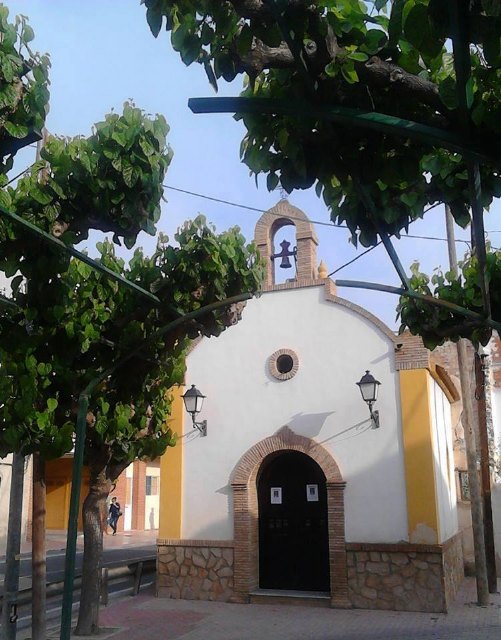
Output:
x=12 y=554
x=470 y=442
x=71 y=541
x=38 y=554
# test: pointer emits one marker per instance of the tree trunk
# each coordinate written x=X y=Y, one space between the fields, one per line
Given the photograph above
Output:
x=94 y=511
x=38 y=552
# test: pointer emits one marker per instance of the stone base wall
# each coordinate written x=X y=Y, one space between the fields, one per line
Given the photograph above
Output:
x=453 y=564
x=404 y=577
x=195 y=569
x=399 y=577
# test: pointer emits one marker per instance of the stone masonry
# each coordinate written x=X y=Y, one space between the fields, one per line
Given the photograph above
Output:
x=195 y=569
x=404 y=577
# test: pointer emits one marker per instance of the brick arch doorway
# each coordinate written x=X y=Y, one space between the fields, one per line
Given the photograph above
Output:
x=246 y=516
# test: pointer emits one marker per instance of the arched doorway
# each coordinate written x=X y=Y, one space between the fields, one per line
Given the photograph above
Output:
x=246 y=513
x=293 y=532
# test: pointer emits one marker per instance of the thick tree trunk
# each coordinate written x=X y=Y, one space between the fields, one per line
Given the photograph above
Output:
x=94 y=513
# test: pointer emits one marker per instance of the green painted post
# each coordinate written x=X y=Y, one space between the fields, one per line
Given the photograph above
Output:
x=71 y=541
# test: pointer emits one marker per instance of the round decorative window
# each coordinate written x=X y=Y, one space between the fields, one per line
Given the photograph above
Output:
x=283 y=364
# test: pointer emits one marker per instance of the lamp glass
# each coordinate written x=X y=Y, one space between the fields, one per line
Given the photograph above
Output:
x=193 y=400
x=368 y=386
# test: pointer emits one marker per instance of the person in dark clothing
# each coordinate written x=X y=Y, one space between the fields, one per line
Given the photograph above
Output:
x=114 y=514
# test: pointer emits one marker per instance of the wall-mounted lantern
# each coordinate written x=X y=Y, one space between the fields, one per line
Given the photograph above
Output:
x=369 y=386
x=193 y=401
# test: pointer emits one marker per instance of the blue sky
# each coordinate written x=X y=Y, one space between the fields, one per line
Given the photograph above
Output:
x=103 y=53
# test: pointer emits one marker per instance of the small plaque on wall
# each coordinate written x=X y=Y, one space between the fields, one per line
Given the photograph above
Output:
x=312 y=492
x=276 y=495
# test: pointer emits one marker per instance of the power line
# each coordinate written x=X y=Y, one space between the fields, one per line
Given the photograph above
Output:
x=320 y=222
x=360 y=255
x=244 y=206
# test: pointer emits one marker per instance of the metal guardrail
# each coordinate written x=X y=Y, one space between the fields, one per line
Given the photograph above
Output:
x=112 y=572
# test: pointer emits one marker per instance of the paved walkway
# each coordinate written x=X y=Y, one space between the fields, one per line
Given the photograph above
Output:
x=150 y=618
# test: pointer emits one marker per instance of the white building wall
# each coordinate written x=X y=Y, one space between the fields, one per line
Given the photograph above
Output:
x=245 y=404
x=152 y=501
x=5 y=480
x=5 y=476
x=444 y=463
x=496 y=488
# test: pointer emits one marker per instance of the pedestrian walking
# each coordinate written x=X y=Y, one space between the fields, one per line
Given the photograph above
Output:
x=114 y=514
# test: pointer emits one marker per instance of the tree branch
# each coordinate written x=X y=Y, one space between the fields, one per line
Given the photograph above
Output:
x=382 y=74
x=376 y=73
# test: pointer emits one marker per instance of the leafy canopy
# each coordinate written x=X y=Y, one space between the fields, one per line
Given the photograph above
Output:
x=66 y=324
x=391 y=57
x=24 y=93
x=51 y=352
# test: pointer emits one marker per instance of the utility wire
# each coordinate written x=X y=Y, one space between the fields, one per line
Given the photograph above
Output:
x=320 y=222
x=360 y=255
x=244 y=206
x=19 y=174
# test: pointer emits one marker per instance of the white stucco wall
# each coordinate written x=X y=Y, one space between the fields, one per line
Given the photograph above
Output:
x=5 y=475
x=5 y=479
x=496 y=489
x=443 y=463
x=496 y=418
x=245 y=404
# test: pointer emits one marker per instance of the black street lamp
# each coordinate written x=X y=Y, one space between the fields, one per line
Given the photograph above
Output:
x=193 y=402
x=369 y=386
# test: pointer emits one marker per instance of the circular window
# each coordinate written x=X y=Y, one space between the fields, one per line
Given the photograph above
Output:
x=283 y=364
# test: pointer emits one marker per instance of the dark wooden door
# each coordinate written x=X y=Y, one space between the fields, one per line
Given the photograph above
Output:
x=293 y=535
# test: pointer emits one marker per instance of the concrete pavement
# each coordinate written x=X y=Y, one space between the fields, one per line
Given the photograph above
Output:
x=147 y=617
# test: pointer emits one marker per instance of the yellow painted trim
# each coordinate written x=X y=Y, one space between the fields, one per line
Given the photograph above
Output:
x=417 y=425
x=171 y=474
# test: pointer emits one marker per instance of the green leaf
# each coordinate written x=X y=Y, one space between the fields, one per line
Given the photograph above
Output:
x=419 y=31
x=395 y=24
x=448 y=92
x=16 y=130
x=154 y=18
x=272 y=181
x=349 y=74
x=52 y=404
x=28 y=33
x=5 y=199
x=358 y=56
x=40 y=196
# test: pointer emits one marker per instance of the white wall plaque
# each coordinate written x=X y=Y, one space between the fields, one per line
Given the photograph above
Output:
x=276 y=495
x=312 y=492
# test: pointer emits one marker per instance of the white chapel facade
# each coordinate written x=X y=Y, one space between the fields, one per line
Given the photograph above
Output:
x=293 y=489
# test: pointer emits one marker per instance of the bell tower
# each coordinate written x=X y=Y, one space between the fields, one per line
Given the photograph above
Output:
x=267 y=237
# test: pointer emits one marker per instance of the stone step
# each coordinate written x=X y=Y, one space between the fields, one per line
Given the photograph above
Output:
x=294 y=598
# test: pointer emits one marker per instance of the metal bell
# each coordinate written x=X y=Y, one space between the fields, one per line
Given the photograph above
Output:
x=285 y=263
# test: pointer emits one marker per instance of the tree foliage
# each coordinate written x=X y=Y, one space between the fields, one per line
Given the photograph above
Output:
x=24 y=93
x=111 y=181
x=436 y=324
x=391 y=57
x=377 y=56
x=50 y=353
